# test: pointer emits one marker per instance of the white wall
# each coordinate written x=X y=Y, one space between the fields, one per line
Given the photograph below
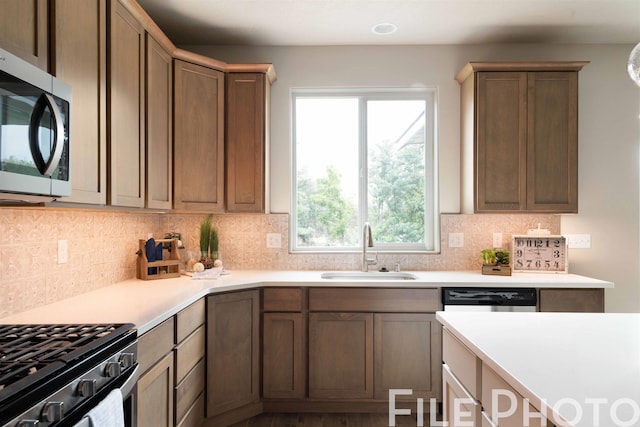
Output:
x=609 y=132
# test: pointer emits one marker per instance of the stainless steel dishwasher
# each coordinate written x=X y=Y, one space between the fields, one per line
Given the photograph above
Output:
x=489 y=299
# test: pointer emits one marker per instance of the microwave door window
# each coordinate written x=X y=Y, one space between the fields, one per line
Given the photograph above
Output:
x=15 y=153
x=17 y=100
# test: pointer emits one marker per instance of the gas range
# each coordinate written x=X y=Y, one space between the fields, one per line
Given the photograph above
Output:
x=51 y=375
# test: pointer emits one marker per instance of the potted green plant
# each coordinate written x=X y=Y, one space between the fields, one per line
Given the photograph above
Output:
x=488 y=256
x=208 y=242
x=502 y=257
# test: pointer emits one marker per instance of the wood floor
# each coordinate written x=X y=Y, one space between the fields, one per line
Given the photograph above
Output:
x=331 y=420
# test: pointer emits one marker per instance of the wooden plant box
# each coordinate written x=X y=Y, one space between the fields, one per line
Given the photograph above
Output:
x=167 y=268
x=496 y=270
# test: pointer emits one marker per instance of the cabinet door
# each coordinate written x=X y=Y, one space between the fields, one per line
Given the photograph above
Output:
x=79 y=58
x=407 y=354
x=245 y=142
x=199 y=138
x=552 y=142
x=501 y=132
x=126 y=109
x=341 y=355
x=159 y=126
x=233 y=353
x=155 y=395
x=24 y=30
x=283 y=356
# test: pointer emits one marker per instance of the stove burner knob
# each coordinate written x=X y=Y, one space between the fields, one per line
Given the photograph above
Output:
x=53 y=411
x=126 y=360
x=27 y=423
x=87 y=388
x=112 y=369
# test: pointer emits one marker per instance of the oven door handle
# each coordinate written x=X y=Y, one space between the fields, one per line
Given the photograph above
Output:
x=127 y=388
x=130 y=383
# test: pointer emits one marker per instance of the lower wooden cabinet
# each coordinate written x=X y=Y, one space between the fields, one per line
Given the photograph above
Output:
x=341 y=355
x=283 y=356
x=407 y=355
x=171 y=359
x=364 y=355
x=388 y=339
x=155 y=395
x=189 y=372
x=233 y=351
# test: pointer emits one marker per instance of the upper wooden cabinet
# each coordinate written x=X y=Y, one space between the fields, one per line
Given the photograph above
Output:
x=126 y=108
x=247 y=136
x=159 y=125
x=24 y=30
x=198 y=137
x=79 y=58
x=519 y=127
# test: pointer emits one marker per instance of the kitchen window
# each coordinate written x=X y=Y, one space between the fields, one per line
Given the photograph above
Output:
x=364 y=155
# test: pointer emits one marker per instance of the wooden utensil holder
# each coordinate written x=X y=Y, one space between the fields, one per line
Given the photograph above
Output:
x=166 y=268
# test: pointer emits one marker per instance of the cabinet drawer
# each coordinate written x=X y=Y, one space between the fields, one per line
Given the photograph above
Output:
x=502 y=404
x=153 y=345
x=189 y=319
x=195 y=414
x=459 y=407
x=189 y=352
x=465 y=365
x=282 y=299
x=188 y=390
x=374 y=300
x=486 y=420
x=572 y=300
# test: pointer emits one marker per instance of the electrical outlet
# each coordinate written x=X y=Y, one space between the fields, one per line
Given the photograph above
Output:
x=274 y=240
x=63 y=256
x=579 y=241
x=456 y=240
x=497 y=240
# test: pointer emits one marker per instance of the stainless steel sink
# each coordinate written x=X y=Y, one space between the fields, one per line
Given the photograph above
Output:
x=370 y=275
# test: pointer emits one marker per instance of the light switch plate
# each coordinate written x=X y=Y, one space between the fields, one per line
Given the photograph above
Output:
x=274 y=240
x=497 y=240
x=456 y=240
x=63 y=255
x=579 y=241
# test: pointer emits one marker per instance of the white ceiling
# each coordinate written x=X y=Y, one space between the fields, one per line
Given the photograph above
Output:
x=423 y=22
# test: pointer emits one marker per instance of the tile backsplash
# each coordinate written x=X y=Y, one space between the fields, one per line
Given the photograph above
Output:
x=102 y=247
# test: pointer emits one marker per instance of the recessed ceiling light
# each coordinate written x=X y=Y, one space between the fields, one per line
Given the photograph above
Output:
x=384 y=29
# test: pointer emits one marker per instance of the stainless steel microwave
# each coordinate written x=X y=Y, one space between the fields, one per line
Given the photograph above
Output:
x=34 y=130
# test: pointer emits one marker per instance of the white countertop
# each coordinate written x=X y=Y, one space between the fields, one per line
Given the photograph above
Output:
x=570 y=360
x=147 y=303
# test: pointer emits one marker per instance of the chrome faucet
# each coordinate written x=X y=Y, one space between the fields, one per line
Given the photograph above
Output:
x=367 y=241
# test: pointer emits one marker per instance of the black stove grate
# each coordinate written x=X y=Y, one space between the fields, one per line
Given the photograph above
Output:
x=33 y=352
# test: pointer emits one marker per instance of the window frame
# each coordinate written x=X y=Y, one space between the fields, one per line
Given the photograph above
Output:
x=431 y=242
